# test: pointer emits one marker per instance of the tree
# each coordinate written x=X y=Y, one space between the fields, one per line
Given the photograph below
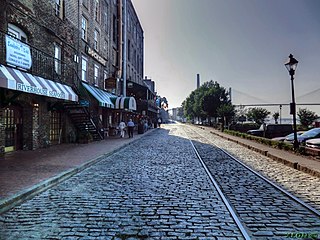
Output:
x=204 y=101
x=276 y=117
x=306 y=117
x=258 y=115
x=226 y=112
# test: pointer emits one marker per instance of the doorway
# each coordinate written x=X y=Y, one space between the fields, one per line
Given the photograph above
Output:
x=13 y=129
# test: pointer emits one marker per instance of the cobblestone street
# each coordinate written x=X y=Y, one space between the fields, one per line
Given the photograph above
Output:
x=152 y=189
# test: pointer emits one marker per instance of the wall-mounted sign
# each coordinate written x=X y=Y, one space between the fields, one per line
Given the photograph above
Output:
x=111 y=83
x=18 y=53
x=96 y=56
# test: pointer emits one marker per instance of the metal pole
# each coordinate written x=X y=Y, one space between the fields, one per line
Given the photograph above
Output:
x=295 y=141
x=280 y=112
x=124 y=29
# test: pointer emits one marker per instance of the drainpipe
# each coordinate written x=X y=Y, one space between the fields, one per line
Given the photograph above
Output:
x=124 y=29
x=119 y=70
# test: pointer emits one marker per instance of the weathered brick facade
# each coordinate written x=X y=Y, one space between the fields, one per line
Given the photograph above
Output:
x=47 y=26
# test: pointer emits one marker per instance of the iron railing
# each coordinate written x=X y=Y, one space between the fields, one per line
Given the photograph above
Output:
x=43 y=64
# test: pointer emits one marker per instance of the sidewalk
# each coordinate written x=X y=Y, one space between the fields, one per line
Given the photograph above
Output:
x=24 y=174
x=299 y=162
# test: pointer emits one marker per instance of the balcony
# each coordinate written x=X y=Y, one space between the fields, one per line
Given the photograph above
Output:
x=147 y=105
x=43 y=64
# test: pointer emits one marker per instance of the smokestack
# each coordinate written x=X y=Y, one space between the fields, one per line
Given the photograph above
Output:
x=198 y=80
x=230 y=96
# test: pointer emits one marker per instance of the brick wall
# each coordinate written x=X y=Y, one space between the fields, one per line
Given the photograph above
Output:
x=2 y=134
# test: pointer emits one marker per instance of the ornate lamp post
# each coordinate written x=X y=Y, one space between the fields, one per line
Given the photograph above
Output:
x=291 y=66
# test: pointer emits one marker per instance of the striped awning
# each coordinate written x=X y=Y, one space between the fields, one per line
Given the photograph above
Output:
x=103 y=97
x=124 y=103
x=14 y=79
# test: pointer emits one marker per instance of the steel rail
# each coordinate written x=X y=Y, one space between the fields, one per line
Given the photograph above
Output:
x=224 y=199
x=304 y=204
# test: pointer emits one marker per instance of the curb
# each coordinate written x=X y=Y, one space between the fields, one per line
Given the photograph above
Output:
x=284 y=161
x=24 y=195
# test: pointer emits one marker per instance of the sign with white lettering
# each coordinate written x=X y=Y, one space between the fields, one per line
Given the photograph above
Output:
x=18 y=53
x=96 y=56
x=40 y=91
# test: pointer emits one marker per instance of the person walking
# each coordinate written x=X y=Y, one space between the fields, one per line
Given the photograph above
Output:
x=159 y=122
x=130 y=128
x=122 y=126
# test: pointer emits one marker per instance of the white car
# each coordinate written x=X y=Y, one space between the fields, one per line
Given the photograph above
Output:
x=313 y=143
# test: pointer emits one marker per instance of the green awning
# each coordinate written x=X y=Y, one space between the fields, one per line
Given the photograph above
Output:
x=103 y=97
x=124 y=103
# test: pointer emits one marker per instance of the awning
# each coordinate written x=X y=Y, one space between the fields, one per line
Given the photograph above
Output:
x=124 y=103
x=14 y=79
x=103 y=97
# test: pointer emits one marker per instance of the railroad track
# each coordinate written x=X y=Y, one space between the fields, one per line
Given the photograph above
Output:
x=260 y=208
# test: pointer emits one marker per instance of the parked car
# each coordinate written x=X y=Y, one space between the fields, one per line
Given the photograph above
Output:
x=311 y=134
x=272 y=130
x=288 y=137
x=313 y=143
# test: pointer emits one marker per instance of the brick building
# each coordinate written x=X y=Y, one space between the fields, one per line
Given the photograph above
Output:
x=61 y=70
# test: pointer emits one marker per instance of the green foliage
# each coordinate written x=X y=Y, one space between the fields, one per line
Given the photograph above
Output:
x=206 y=100
x=258 y=115
x=306 y=117
x=276 y=116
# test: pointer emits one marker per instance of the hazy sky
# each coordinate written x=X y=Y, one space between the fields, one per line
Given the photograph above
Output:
x=242 y=44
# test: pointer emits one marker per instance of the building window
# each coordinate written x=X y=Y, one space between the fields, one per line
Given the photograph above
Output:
x=59 y=8
x=55 y=127
x=114 y=29
x=96 y=75
x=16 y=32
x=57 y=59
x=97 y=11
x=106 y=20
x=96 y=40
x=84 y=69
x=105 y=77
x=129 y=51
x=84 y=28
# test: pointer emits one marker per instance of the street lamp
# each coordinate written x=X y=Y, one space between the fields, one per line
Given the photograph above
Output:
x=291 y=66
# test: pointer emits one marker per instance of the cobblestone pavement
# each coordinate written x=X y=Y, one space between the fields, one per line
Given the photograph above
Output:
x=152 y=189
x=266 y=212
x=301 y=184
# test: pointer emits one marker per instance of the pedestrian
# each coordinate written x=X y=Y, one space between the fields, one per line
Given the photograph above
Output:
x=122 y=127
x=159 y=122
x=130 y=128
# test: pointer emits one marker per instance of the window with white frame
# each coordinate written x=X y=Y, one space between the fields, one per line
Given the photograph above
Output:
x=16 y=32
x=96 y=74
x=84 y=68
x=59 y=8
x=57 y=59
x=84 y=28
x=96 y=40
x=97 y=10
x=106 y=20
x=105 y=76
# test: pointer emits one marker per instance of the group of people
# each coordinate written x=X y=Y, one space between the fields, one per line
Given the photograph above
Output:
x=144 y=123
x=122 y=126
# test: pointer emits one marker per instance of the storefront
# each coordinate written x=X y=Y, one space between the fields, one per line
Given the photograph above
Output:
x=31 y=110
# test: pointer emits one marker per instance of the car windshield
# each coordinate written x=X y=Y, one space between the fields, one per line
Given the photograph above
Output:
x=311 y=133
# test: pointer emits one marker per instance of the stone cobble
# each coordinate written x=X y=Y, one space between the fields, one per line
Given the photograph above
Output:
x=152 y=189
x=300 y=184
x=259 y=205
